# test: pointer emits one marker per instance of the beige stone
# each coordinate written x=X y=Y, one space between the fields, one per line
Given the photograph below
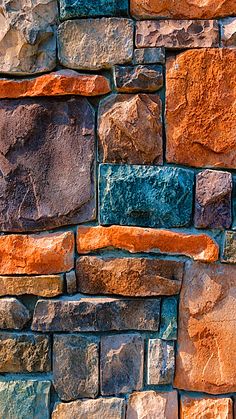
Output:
x=110 y=408
x=152 y=405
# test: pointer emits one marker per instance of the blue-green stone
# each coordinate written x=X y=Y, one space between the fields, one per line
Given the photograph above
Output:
x=168 y=325
x=92 y=8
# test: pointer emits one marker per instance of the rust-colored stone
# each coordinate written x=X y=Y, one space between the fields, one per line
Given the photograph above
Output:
x=201 y=108
x=136 y=239
x=206 y=407
x=36 y=254
x=59 y=83
x=43 y=286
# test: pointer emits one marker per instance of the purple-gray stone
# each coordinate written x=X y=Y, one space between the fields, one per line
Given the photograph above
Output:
x=140 y=78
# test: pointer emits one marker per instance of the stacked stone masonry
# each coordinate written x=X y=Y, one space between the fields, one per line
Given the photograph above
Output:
x=117 y=209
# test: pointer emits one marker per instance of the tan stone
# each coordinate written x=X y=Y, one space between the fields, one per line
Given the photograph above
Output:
x=212 y=408
x=43 y=286
x=201 y=87
x=206 y=354
x=228 y=32
x=110 y=408
x=152 y=405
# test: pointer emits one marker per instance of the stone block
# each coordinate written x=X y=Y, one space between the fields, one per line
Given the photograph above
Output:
x=229 y=249
x=149 y=56
x=139 y=78
x=228 y=32
x=112 y=408
x=42 y=285
x=153 y=405
x=204 y=407
x=91 y=8
x=13 y=314
x=161 y=362
x=168 y=323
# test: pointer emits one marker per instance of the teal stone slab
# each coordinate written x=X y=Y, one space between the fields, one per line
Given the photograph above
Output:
x=92 y=8
x=146 y=196
x=168 y=325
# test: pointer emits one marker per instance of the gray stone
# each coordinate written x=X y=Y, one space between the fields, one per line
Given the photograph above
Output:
x=149 y=56
x=140 y=78
x=71 y=282
x=228 y=32
x=102 y=408
x=121 y=363
x=168 y=324
x=13 y=314
x=161 y=362
x=229 y=250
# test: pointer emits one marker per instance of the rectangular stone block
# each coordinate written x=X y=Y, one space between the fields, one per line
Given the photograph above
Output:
x=168 y=323
x=229 y=249
x=145 y=196
x=92 y=8
x=42 y=285
x=161 y=362
x=96 y=314
x=139 y=78
x=204 y=407
x=110 y=408
x=13 y=314
x=153 y=405
x=149 y=56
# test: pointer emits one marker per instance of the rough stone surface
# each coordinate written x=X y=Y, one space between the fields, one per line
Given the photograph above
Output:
x=131 y=277
x=94 y=44
x=145 y=196
x=43 y=286
x=121 y=363
x=149 y=56
x=51 y=147
x=36 y=254
x=75 y=366
x=207 y=334
x=153 y=405
x=135 y=239
x=201 y=87
x=191 y=408
x=112 y=408
x=213 y=200
x=96 y=314
x=13 y=314
x=124 y=137
x=24 y=352
x=177 y=34
x=71 y=282
x=161 y=362
x=59 y=83
x=139 y=78
x=228 y=32
x=80 y=8
x=28 y=36
x=182 y=9
x=24 y=399
x=234 y=203
x=229 y=251
x=168 y=323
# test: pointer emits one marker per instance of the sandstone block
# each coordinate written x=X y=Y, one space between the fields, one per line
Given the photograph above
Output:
x=153 y=405
x=124 y=137
x=96 y=314
x=229 y=251
x=13 y=314
x=168 y=323
x=36 y=254
x=71 y=282
x=43 y=285
x=228 y=32
x=24 y=399
x=91 y=8
x=94 y=44
x=177 y=34
x=75 y=366
x=24 y=352
x=37 y=169
x=139 y=78
x=131 y=277
x=209 y=78
x=112 y=408
x=207 y=333
x=121 y=363
x=28 y=36
x=192 y=408
x=145 y=196
x=161 y=362
x=149 y=56
x=213 y=200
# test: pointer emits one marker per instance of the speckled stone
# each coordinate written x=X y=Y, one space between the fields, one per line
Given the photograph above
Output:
x=168 y=323
x=161 y=362
x=92 y=8
x=229 y=250
x=139 y=78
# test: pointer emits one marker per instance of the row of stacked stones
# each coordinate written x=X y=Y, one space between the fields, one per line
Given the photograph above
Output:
x=118 y=209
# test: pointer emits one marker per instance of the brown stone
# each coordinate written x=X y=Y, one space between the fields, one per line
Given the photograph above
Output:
x=47 y=175
x=36 y=254
x=124 y=137
x=153 y=405
x=102 y=408
x=177 y=34
x=13 y=314
x=59 y=83
x=201 y=87
x=182 y=9
x=43 y=286
x=228 y=32
x=132 y=277
x=71 y=282
x=207 y=330
x=136 y=239
x=206 y=407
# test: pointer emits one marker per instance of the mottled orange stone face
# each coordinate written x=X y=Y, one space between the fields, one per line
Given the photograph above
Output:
x=206 y=407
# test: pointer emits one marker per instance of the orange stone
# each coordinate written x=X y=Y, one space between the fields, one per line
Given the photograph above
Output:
x=43 y=286
x=136 y=239
x=182 y=9
x=212 y=408
x=59 y=83
x=201 y=108
x=36 y=254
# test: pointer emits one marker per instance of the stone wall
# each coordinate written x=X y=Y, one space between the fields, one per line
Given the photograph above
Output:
x=117 y=209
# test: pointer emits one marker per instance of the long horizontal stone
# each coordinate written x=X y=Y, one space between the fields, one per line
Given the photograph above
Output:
x=139 y=78
x=36 y=254
x=90 y=8
x=135 y=239
x=13 y=314
x=96 y=314
x=112 y=408
x=42 y=285
x=149 y=56
x=131 y=277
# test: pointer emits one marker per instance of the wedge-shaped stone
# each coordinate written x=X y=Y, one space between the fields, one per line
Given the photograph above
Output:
x=13 y=314
x=153 y=405
x=139 y=78
x=43 y=286
x=206 y=407
x=96 y=314
x=46 y=163
x=112 y=408
x=91 y=8
x=207 y=330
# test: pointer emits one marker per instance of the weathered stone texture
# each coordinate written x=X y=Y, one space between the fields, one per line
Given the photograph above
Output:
x=112 y=408
x=36 y=254
x=96 y=314
x=140 y=78
x=168 y=323
x=28 y=36
x=46 y=163
x=24 y=352
x=121 y=363
x=94 y=44
x=145 y=196
x=201 y=87
x=75 y=366
x=161 y=362
x=71 y=282
x=229 y=250
x=213 y=200
x=13 y=314
x=124 y=137
x=43 y=286
x=152 y=405
x=207 y=334
x=149 y=56
x=135 y=239
x=192 y=408
x=81 y=8
x=177 y=34
x=228 y=32
x=24 y=399
x=131 y=277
